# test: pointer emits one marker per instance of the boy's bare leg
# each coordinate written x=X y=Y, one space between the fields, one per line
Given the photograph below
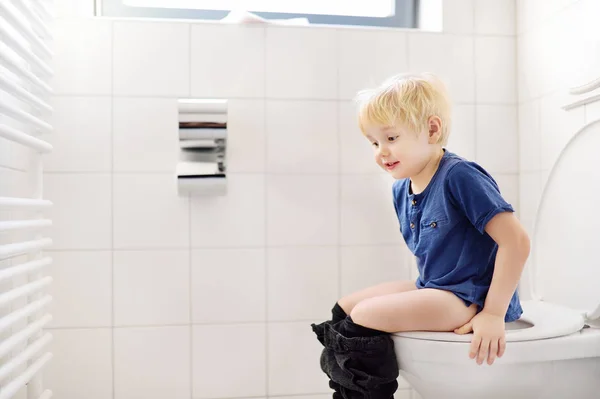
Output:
x=416 y=310
x=393 y=287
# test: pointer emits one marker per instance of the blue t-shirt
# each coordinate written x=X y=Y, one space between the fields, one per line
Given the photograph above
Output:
x=444 y=227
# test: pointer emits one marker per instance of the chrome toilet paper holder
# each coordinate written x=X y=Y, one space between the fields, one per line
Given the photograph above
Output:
x=202 y=166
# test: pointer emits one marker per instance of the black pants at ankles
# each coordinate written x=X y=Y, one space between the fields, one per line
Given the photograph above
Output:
x=360 y=361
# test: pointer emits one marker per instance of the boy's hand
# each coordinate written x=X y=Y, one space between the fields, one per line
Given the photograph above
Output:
x=488 y=336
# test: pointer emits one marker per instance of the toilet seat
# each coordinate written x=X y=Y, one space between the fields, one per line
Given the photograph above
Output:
x=540 y=320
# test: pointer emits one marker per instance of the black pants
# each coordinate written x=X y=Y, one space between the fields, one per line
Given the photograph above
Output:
x=359 y=361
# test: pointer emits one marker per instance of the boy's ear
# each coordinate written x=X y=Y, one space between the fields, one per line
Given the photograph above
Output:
x=435 y=129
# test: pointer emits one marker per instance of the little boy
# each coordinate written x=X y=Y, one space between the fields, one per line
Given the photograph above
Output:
x=470 y=248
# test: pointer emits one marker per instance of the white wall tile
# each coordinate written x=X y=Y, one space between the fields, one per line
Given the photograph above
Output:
x=81 y=215
x=526 y=14
x=151 y=58
x=301 y=62
x=458 y=16
x=383 y=53
x=302 y=282
x=411 y=261
x=509 y=188
x=82 y=364
x=530 y=138
x=151 y=287
x=367 y=211
x=462 y=133
x=152 y=363
x=550 y=46
x=146 y=136
x=495 y=17
x=302 y=210
x=236 y=219
x=246 y=136
x=82 y=59
x=557 y=126
x=218 y=51
x=228 y=285
x=529 y=65
x=532 y=13
x=552 y=55
x=496 y=70
x=557 y=43
x=530 y=191
x=497 y=138
x=302 y=137
x=148 y=213
x=82 y=289
x=427 y=50
x=579 y=32
x=356 y=152
x=294 y=353
x=366 y=266
x=229 y=361
x=81 y=136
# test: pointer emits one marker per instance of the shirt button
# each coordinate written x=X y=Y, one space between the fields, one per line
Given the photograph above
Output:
x=433 y=224
x=414 y=202
x=412 y=225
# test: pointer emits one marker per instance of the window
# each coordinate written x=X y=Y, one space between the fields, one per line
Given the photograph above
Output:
x=389 y=13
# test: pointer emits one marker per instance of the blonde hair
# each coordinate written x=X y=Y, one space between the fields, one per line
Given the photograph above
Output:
x=407 y=98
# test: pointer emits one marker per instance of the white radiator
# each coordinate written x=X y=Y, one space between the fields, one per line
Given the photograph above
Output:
x=24 y=119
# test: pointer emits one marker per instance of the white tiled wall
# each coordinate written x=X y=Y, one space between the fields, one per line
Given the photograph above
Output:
x=161 y=296
x=552 y=37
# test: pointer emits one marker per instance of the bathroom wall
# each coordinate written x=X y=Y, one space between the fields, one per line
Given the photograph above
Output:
x=557 y=47
x=159 y=296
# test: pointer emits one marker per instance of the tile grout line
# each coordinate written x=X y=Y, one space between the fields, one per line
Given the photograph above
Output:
x=339 y=174
x=190 y=249
x=408 y=67
x=475 y=104
x=112 y=207
x=190 y=290
x=518 y=109
x=190 y=60
x=283 y=99
x=266 y=210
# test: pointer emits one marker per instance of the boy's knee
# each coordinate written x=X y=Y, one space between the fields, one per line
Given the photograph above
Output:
x=360 y=314
x=346 y=304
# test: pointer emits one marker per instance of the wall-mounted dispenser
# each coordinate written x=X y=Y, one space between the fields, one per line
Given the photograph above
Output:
x=202 y=165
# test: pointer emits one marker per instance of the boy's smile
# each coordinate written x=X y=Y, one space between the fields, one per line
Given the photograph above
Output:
x=391 y=165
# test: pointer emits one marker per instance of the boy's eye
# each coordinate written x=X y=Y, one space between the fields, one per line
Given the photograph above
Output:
x=374 y=144
x=392 y=138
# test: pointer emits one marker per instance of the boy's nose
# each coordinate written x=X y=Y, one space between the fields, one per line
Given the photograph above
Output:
x=383 y=151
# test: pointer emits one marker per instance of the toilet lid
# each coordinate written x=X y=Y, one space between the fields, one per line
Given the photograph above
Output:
x=565 y=243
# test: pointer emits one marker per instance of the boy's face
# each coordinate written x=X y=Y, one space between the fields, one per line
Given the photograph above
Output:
x=400 y=151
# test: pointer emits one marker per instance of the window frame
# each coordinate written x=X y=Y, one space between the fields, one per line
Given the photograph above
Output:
x=408 y=19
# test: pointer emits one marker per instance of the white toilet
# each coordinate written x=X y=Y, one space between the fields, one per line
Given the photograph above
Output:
x=553 y=351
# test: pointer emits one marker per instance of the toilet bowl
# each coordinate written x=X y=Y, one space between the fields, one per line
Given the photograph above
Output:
x=553 y=350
